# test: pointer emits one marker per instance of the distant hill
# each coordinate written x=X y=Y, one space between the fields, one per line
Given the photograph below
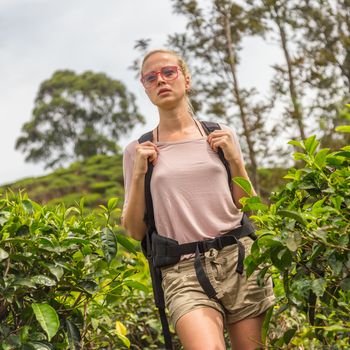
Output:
x=99 y=178
x=96 y=179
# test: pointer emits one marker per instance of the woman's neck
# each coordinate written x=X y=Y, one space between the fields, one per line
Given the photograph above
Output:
x=175 y=125
x=177 y=119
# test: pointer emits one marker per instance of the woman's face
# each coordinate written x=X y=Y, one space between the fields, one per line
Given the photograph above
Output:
x=165 y=93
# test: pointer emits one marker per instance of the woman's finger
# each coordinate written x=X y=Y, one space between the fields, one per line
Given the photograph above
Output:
x=219 y=133
x=149 y=144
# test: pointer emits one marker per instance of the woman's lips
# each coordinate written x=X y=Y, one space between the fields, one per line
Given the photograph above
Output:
x=162 y=91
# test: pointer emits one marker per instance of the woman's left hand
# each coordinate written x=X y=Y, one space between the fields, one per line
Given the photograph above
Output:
x=223 y=139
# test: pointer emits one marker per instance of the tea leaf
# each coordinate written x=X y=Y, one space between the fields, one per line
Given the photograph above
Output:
x=120 y=328
x=47 y=317
x=43 y=280
x=73 y=335
x=244 y=184
x=109 y=244
x=3 y=254
x=112 y=203
x=293 y=215
x=343 y=128
x=126 y=243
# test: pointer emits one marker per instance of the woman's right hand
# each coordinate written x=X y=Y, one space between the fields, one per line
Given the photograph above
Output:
x=144 y=152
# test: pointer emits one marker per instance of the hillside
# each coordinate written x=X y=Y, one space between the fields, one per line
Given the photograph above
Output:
x=99 y=178
x=96 y=179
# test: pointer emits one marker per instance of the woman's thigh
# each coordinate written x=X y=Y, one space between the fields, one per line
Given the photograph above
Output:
x=246 y=334
x=202 y=328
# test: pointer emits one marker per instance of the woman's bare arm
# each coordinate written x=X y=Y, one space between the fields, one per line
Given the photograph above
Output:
x=135 y=210
x=134 y=213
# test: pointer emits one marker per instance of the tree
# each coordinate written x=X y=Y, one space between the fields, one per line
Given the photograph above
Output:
x=326 y=47
x=212 y=44
x=313 y=81
x=311 y=84
x=279 y=18
x=76 y=116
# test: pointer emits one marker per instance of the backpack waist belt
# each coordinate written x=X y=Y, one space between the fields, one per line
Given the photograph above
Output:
x=167 y=251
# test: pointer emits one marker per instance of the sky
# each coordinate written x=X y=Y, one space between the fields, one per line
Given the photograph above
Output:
x=38 y=37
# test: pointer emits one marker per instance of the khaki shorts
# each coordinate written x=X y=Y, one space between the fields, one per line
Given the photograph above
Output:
x=237 y=297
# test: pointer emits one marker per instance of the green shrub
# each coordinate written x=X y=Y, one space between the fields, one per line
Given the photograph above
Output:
x=60 y=281
x=102 y=186
x=304 y=242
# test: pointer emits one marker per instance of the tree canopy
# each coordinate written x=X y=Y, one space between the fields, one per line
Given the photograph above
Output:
x=76 y=116
x=309 y=86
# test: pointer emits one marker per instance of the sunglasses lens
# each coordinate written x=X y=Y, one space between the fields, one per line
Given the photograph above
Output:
x=150 y=78
x=169 y=73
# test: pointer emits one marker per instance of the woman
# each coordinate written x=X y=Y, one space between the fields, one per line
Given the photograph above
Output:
x=193 y=202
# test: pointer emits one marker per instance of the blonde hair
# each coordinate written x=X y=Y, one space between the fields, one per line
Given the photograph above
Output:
x=183 y=66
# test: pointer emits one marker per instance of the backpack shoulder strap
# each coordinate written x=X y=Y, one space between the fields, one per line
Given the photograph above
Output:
x=149 y=215
x=147 y=250
x=148 y=136
x=209 y=127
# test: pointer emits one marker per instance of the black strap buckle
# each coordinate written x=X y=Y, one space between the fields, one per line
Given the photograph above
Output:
x=203 y=246
x=219 y=243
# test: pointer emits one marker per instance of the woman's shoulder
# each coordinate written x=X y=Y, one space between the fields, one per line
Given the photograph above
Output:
x=226 y=127
x=130 y=147
x=229 y=128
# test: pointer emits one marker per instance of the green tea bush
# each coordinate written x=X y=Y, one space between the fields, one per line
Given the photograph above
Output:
x=61 y=283
x=98 y=179
x=304 y=243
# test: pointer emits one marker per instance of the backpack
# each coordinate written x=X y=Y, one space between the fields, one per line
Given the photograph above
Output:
x=161 y=251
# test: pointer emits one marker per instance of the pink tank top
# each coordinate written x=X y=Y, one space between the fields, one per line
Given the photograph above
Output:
x=191 y=196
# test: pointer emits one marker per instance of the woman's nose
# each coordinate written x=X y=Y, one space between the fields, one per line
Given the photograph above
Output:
x=160 y=79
